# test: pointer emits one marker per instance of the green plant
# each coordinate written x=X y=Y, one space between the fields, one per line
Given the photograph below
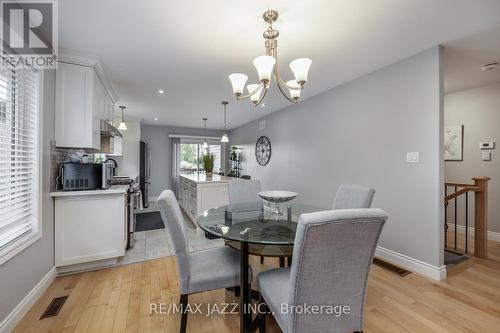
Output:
x=208 y=162
x=234 y=153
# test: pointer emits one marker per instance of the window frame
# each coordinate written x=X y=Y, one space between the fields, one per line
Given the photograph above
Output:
x=24 y=241
x=199 y=143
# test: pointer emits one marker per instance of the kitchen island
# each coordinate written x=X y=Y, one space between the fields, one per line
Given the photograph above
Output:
x=90 y=228
x=197 y=193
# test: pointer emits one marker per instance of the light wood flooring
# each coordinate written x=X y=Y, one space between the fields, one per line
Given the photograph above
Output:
x=118 y=300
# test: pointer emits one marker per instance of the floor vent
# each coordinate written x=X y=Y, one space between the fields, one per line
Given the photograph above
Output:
x=390 y=267
x=54 y=307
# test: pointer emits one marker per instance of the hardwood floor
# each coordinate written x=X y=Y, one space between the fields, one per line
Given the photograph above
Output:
x=118 y=300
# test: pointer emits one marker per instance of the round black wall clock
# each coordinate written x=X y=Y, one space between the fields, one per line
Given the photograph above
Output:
x=263 y=150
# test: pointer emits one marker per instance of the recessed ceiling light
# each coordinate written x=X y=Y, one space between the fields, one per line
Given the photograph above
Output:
x=156 y=118
x=263 y=105
x=161 y=91
x=489 y=67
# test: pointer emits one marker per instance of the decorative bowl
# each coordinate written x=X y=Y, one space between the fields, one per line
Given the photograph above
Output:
x=277 y=196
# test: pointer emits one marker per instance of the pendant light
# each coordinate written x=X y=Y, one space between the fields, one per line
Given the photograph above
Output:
x=225 y=137
x=123 y=124
x=205 y=144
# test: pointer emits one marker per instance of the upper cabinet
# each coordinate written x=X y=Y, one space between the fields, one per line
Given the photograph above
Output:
x=83 y=99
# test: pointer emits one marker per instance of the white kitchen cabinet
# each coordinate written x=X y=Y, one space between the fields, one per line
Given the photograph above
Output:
x=82 y=100
x=89 y=227
x=198 y=194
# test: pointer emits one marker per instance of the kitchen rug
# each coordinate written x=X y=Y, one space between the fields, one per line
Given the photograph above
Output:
x=149 y=221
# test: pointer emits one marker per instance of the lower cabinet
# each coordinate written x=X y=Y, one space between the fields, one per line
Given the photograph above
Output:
x=89 y=228
x=195 y=198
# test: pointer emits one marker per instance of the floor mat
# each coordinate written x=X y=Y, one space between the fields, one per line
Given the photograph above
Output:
x=149 y=221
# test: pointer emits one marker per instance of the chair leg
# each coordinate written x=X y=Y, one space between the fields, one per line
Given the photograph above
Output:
x=184 y=315
x=261 y=260
x=289 y=261
x=282 y=261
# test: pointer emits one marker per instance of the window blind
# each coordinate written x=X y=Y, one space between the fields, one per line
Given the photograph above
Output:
x=216 y=151
x=19 y=165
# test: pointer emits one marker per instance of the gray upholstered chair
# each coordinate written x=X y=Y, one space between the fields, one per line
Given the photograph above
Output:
x=242 y=191
x=199 y=271
x=333 y=253
x=353 y=197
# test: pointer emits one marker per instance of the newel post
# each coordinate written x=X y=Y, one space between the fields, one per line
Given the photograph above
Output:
x=481 y=217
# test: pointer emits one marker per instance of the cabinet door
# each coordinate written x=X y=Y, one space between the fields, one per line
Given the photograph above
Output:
x=74 y=121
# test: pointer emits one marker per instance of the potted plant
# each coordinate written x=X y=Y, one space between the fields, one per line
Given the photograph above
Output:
x=234 y=153
x=208 y=164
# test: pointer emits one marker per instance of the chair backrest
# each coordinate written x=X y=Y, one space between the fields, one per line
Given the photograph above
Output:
x=353 y=197
x=332 y=256
x=174 y=223
x=243 y=191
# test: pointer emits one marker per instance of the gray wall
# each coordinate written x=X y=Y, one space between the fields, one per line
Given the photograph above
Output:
x=359 y=133
x=159 y=142
x=20 y=274
x=479 y=111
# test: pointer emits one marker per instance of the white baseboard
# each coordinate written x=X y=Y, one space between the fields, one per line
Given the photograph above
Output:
x=411 y=264
x=492 y=235
x=10 y=322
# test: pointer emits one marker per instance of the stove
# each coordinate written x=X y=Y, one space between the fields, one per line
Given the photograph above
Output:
x=121 y=181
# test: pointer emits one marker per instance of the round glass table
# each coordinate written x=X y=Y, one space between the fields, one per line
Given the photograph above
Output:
x=254 y=224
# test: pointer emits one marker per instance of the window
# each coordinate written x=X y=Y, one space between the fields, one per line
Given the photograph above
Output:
x=19 y=160
x=192 y=153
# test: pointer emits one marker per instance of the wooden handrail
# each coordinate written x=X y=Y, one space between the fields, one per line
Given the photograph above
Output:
x=480 y=189
x=458 y=193
x=458 y=184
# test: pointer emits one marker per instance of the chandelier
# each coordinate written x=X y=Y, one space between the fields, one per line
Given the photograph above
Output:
x=266 y=65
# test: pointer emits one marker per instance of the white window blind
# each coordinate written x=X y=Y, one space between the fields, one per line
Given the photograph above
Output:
x=19 y=165
x=216 y=151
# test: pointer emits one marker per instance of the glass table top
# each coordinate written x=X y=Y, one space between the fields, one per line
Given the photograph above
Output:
x=255 y=222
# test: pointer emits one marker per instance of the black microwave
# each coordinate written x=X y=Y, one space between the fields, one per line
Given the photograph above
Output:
x=85 y=176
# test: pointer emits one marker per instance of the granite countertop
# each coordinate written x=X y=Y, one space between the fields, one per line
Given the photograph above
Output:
x=203 y=179
x=114 y=189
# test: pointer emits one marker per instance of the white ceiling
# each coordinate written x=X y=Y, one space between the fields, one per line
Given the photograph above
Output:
x=463 y=59
x=188 y=48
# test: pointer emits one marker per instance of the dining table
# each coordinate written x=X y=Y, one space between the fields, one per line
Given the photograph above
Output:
x=253 y=224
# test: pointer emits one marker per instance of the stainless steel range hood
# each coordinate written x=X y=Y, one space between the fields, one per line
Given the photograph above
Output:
x=108 y=130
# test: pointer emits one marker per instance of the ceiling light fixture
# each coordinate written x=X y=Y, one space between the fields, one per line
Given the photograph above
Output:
x=205 y=144
x=156 y=118
x=161 y=91
x=489 y=67
x=225 y=137
x=266 y=65
x=123 y=124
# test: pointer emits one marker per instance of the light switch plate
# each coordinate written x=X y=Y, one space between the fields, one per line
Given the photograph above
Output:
x=486 y=156
x=413 y=157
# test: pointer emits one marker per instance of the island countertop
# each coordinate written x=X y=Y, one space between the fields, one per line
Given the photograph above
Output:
x=203 y=179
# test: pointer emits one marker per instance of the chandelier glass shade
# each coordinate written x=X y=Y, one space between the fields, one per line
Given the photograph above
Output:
x=266 y=65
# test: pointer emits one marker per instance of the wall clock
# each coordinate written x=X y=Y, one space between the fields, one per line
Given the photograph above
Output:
x=263 y=150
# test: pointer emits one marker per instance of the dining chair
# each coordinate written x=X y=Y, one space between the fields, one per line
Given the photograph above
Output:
x=199 y=271
x=353 y=197
x=243 y=191
x=333 y=252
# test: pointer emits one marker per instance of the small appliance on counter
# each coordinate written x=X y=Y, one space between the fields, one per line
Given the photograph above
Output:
x=85 y=176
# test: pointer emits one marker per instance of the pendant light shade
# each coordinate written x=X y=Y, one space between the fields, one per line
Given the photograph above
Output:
x=238 y=81
x=264 y=65
x=225 y=137
x=123 y=124
x=205 y=144
x=300 y=68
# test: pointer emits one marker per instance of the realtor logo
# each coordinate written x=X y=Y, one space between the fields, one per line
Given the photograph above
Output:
x=29 y=33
